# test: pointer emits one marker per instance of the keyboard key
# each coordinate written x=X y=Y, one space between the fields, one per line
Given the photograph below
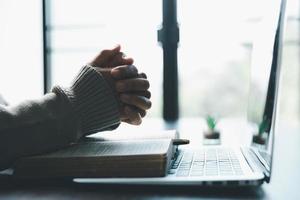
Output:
x=211 y=162
x=182 y=173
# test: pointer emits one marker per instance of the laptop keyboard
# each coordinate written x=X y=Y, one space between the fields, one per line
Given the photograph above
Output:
x=207 y=162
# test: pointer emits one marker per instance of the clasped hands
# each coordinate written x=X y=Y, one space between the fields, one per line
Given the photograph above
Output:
x=129 y=86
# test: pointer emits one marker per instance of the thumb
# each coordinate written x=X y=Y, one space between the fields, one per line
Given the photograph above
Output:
x=103 y=58
x=116 y=49
x=107 y=55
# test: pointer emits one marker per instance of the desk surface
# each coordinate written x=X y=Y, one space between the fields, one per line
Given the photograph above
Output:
x=284 y=183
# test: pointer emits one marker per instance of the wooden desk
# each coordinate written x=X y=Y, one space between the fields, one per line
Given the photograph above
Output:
x=284 y=183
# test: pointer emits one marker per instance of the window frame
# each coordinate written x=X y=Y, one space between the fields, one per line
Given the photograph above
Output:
x=46 y=41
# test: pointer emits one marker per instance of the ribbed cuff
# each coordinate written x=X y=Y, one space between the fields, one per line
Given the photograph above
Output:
x=93 y=101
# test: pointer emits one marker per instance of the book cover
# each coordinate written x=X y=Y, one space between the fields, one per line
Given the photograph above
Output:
x=106 y=158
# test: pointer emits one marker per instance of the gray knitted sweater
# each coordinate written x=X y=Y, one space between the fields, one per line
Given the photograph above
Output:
x=57 y=119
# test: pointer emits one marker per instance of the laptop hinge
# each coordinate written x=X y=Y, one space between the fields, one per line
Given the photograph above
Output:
x=255 y=163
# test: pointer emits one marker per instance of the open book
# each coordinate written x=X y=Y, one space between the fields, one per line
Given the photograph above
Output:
x=103 y=157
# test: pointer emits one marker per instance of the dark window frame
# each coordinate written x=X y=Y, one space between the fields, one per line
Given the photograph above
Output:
x=46 y=41
x=168 y=36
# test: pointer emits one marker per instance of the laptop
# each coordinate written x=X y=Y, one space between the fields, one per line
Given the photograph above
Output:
x=245 y=165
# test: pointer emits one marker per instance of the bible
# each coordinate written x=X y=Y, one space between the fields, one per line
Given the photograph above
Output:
x=102 y=158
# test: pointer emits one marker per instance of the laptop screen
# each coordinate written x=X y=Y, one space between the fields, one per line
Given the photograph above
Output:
x=265 y=71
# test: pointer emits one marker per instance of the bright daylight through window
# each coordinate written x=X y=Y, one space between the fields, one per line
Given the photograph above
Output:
x=214 y=53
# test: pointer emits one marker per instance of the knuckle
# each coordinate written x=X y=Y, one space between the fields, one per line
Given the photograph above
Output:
x=145 y=103
x=133 y=69
x=146 y=84
x=143 y=113
x=143 y=75
x=149 y=104
x=136 y=117
x=148 y=94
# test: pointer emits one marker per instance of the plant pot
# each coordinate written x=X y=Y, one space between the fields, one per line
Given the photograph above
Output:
x=259 y=139
x=212 y=134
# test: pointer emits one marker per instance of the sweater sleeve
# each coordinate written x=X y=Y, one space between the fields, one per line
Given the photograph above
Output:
x=36 y=126
x=57 y=119
x=93 y=101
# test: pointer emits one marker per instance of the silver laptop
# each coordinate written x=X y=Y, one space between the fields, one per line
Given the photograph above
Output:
x=250 y=165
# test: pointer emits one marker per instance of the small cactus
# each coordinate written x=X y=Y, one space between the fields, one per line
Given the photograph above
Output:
x=262 y=127
x=211 y=122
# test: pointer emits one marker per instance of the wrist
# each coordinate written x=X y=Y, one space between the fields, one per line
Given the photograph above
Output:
x=93 y=101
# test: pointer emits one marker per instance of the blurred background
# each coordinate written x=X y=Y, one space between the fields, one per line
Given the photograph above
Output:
x=214 y=54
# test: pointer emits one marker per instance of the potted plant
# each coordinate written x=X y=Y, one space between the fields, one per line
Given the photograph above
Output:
x=260 y=137
x=211 y=133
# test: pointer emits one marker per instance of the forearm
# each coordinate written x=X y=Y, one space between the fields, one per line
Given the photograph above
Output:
x=57 y=119
x=35 y=127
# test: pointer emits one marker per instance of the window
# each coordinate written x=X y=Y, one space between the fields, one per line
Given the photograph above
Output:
x=214 y=53
x=215 y=57
x=20 y=50
x=78 y=30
